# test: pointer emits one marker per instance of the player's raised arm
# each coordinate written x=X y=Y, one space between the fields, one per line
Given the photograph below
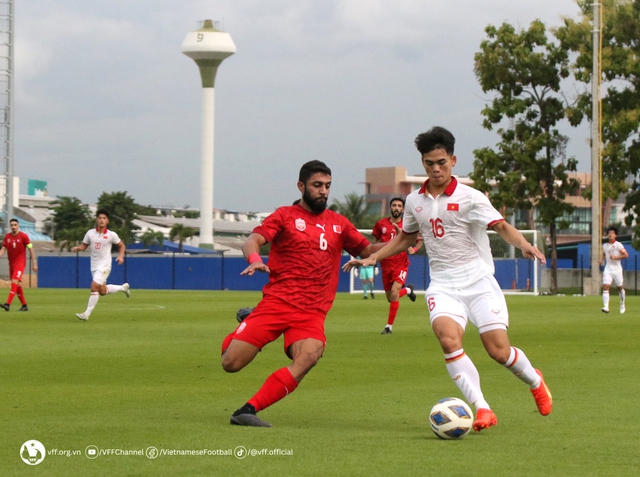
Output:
x=373 y=253
x=514 y=237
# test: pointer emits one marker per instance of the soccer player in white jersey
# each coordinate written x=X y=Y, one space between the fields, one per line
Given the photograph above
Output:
x=612 y=252
x=99 y=240
x=453 y=221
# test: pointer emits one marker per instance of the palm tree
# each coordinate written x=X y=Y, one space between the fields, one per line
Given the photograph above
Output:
x=69 y=238
x=356 y=209
x=180 y=232
x=151 y=237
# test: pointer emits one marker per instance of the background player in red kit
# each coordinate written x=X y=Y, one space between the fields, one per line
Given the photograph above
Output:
x=16 y=244
x=304 y=237
x=395 y=268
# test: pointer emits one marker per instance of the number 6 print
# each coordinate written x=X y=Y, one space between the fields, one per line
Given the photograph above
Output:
x=431 y=303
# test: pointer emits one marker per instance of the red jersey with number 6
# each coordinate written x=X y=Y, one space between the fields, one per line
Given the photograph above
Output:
x=16 y=246
x=305 y=255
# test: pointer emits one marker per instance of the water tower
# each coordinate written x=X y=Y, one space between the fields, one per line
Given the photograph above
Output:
x=207 y=46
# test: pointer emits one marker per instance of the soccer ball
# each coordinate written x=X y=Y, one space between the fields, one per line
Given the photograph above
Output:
x=451 y=418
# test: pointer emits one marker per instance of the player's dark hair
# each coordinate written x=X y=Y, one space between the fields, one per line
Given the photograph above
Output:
x=398 y=199
x=615 y=229
x=103 y=212
x=14 y=220
x=311 y=168
x=435 y=138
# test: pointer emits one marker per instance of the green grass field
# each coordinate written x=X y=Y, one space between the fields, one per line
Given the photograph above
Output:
x=145 y=372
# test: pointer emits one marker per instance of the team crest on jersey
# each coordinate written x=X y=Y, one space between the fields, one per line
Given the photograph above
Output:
x=418 y=209
x=384 y=230
x=337 y=229
x=301 y=225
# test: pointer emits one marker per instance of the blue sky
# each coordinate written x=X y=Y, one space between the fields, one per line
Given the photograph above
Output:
x=105 y=100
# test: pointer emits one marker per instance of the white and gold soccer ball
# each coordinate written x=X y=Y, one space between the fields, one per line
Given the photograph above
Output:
x=451 y=418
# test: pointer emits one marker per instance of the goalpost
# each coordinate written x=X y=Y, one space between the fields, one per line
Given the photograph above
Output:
x=514 y=273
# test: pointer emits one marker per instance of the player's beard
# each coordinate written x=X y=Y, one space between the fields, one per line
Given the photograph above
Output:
x=396 y=213
x=316 y=205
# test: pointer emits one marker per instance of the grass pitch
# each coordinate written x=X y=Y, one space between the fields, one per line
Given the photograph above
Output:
x=144 y=372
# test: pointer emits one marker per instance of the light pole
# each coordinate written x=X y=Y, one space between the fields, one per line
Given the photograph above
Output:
x=596 y=202
x=207 y=46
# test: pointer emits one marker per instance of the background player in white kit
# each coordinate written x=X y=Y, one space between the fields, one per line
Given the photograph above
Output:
x=99 y=240
x=612 y=252
x=453 y=220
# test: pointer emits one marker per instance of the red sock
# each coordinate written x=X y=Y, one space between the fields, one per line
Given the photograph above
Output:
x=277 y=386
x=21 y=296
x=12 y=293
x=402 y=292
x=393 y=311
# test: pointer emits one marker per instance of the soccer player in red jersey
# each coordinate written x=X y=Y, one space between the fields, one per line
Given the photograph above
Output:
x=395 y=268
x=16 y=244
x=307 y=240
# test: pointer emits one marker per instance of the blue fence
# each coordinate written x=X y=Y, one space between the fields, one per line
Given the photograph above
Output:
x=207 y=272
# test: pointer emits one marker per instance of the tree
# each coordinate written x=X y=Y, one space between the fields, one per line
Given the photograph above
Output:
x=529 y=167
x=356 y=209
x=620 y=30
x=152 y=237
x=181 y=233
x=71 y=219
x=124 y=211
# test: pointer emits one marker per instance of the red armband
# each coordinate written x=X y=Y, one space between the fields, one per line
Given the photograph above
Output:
x=254 y=257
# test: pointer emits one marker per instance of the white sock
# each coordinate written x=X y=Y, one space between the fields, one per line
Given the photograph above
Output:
x=465 y=375
x=623 y=294
x=605 y=298
x=93 y=301
x=520 y=366
x=114 y=288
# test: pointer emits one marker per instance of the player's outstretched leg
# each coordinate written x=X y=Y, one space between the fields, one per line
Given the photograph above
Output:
x=246 y=416
x=521 y=367
x=542 y=396
x=465 y=375
x=280 y=384
x=605 y=301
x=485 y=418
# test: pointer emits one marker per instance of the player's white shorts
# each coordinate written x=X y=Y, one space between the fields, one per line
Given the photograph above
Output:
x=100 y=276
x=482 y=303
x=609 y=277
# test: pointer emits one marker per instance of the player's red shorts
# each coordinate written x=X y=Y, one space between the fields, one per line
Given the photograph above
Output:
x=273 y=317
x=16 y=273
x=393 y=274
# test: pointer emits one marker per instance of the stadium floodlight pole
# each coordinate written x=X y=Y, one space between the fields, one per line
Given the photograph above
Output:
x=596 y=210
x=7 y=18
x=207 y=46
